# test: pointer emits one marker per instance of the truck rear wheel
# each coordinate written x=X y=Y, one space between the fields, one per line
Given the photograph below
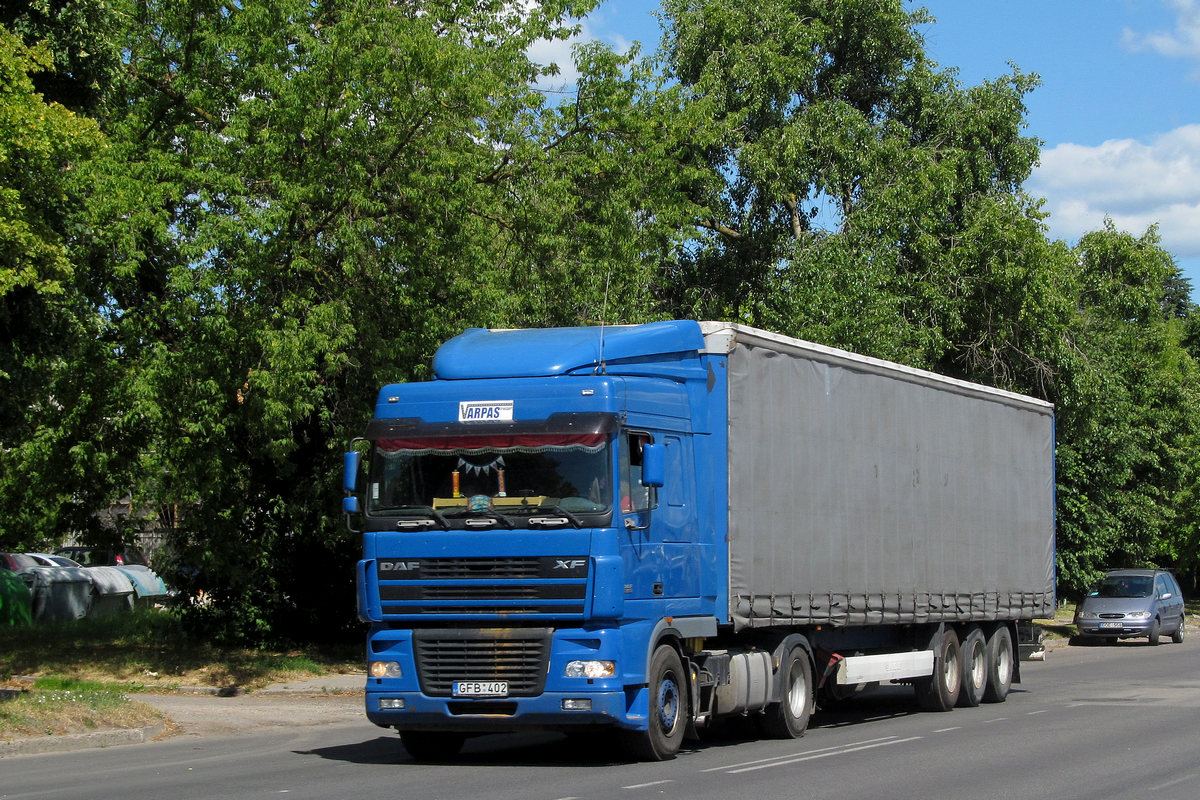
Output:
x=788 y=719
x=999 y=665
x=668 y=710
x=939 y=692
x=975 y=669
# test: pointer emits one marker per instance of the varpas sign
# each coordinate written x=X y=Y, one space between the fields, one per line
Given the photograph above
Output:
x=486 y=411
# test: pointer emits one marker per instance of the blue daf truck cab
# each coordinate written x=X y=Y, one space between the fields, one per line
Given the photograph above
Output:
x=546 y=545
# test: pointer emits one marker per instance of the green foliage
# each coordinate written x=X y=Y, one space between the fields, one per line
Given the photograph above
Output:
x=277 y=206
x=866 y=199
x=300 y=201
x=16 y=602
x=1130 y=432
x=60 y=456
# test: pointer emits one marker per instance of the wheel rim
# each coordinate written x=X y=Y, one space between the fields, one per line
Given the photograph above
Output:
x=1004 y=665
x=668 y=704
x=950 y=672
x=797 y=690
x=978 y=666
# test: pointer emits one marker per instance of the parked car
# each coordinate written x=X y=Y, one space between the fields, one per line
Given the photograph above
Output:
x=15 y=562
x=103 y=557
x=112 y=590
x=1130 y=603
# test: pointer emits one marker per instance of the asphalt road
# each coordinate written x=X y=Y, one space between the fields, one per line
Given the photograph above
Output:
x=1091 y=722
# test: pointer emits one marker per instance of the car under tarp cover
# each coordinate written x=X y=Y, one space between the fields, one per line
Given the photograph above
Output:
x=60 y=594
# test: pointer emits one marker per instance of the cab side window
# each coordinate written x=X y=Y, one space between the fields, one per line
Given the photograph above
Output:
x=635 y=498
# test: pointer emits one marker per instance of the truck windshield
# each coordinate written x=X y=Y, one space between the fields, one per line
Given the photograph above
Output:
x=513 y=475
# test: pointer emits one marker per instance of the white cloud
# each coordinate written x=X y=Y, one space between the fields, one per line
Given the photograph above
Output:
x=1136 y=184
x=556 y=51
x=1183 y=42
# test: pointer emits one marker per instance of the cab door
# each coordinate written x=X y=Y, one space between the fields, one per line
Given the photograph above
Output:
x=660 y=542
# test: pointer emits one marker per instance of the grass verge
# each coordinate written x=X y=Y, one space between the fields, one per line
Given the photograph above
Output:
x=84 y=671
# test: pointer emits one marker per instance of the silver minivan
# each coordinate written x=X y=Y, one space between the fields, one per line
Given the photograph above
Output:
x=1129 y=603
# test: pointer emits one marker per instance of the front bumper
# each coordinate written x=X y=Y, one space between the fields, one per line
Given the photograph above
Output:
x=500 y=714
x=1129 y=628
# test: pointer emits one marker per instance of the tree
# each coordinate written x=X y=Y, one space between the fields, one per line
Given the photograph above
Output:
x=61 y=456
x=858 y=195
x=304 y=200
x=1128 y=434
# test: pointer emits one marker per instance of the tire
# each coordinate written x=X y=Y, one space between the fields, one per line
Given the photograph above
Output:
x=939 y=692
x=432 y=745
x=668 y=710
x=1181 y=631
x=788 y=719
x=1000 y=665
x=974 y=669
x=1155 y=632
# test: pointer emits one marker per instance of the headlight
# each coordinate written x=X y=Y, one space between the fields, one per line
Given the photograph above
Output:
x=1087 y=615
x=384 y=669
x=1139 y=615
x=591 y=669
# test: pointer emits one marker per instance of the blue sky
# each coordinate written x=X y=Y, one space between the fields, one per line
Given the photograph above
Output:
x=1117 y=110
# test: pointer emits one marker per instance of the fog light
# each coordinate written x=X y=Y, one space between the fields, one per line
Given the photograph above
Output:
x=391 y=704
x=384 y=669
x=591 y=669
x=577 y=704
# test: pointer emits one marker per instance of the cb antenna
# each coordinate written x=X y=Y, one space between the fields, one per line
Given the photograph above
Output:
x=600 y=368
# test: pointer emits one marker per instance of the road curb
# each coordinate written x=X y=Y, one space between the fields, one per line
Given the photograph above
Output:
x=80 y=741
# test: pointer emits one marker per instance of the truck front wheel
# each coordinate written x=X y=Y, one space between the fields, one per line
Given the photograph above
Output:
x=668 y=709
x=788 y=719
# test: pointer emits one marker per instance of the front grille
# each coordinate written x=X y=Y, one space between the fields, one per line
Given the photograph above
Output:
x=545 y=585
x=520 y=657
x=494 y=568
x=484 y=592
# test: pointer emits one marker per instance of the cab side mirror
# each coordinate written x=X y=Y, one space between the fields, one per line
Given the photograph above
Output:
x=350 y=464
x=654 y=465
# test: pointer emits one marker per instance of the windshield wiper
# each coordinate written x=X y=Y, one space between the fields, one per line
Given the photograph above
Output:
x=566 y=515
x=438 y=518
x=477 y=519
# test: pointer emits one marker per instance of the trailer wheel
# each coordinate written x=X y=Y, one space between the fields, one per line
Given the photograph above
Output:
x=668 y=710
x=432 y=745
x=939 y=692
x=788 y=719
x=999 y=665
x=974 y=669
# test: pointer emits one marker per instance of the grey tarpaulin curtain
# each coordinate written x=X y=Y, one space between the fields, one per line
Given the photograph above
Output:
x=858 y=497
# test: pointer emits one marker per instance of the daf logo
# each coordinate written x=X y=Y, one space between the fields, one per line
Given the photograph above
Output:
x=399 y=566
x=574 y=563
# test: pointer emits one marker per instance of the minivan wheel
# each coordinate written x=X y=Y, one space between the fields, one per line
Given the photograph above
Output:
x=1155 y=630
x=1177 y=636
